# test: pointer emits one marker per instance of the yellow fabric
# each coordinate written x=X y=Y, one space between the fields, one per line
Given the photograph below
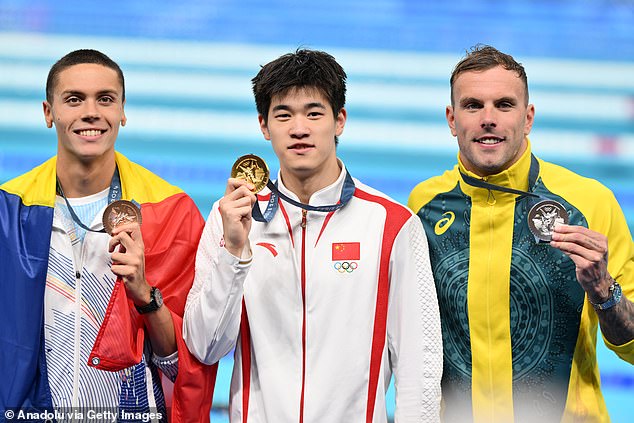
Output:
x=154 y=192
x=36 y=187
x=42 y=191
x=491 y=238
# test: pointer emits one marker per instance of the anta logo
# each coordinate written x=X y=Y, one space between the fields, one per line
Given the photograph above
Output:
x=443 y=224
x=269 y=247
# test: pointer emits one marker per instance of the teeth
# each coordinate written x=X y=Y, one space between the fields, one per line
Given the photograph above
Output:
x=90 y=133
x=489 y=140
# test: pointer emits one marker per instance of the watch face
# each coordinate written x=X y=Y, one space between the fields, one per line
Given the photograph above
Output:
x=158 y=297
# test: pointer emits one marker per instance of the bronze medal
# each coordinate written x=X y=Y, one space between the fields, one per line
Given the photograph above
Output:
x=119 y=213
x=543 y=216
x=252 y=169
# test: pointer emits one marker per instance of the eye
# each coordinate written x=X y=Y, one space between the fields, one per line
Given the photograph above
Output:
x=505 y=105
x=315 y=114
x=472 y=106
x=72 y=100
x=106 y=99
x=282 y=116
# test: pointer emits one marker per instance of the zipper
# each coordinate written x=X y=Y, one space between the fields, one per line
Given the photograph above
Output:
x=303 y=279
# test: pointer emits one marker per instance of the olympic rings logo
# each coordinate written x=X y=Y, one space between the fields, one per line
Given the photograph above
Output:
x=345 y=266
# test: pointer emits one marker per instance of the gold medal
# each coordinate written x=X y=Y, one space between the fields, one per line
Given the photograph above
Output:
x=543 y=216
x=252 y=169
x=119 y=213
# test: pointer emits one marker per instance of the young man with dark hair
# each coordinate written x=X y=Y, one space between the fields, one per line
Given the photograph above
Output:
x=521 y=292
x=89 y=317
x=329 y=291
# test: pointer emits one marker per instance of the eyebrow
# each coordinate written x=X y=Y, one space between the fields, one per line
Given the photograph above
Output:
x=306 y=106
x=81 y=93
x=468 y=100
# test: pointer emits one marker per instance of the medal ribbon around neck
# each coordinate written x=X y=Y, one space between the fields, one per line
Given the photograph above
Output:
x=253 y=169
x=538 y=203
x=114 y=194
x=271 y=207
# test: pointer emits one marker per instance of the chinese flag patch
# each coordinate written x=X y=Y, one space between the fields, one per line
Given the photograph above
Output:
x=346 y=251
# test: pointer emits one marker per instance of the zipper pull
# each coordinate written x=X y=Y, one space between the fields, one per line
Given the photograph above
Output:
x=304 y=212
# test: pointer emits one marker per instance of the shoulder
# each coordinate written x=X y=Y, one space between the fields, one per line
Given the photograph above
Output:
x=366 y=193
x=572 y=186
x=142 y=185
x=425 y=191
x=35 y=187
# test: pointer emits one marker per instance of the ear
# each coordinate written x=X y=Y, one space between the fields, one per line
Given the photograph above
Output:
x=124 y=119
x=264 y=128
x=451 y=120
x=48 y=114
x=530 y=118
x=340 y=121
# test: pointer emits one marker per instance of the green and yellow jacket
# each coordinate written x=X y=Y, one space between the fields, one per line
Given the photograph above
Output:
x=519 y=334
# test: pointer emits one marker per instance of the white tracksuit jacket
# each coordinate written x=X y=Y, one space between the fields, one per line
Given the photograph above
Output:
x=329 y=306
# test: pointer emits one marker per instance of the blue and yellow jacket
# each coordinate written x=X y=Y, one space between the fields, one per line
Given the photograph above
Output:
x=519 y=334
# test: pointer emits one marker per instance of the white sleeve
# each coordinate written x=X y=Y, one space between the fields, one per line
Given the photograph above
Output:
x=214 y=304
x=413 y=326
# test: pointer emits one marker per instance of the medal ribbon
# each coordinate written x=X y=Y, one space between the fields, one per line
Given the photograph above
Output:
x=114 y=194
x=273 y=203
x=532 y=179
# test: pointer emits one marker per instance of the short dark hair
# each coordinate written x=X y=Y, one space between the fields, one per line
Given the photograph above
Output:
x=482 y=57
x=79 y=57
x=304 y=68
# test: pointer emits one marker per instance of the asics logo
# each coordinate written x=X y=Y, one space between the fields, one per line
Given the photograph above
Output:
x=443 y=224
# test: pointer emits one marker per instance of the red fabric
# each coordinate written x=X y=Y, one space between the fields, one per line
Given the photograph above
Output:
x=245 y=344
x=346 y=250
x=171 y=230
x=115 y=353
x=396 y=217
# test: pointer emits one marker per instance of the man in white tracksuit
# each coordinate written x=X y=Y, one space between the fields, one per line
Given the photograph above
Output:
x=330 y=291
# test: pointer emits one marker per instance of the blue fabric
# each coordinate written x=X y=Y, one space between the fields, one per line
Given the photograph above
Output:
x=25 y=233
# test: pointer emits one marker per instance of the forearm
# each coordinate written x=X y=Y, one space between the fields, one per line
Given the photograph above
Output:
x=213 y=311
x=617 y=323
x=160 y=330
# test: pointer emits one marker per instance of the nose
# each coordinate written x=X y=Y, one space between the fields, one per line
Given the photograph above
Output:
x=90 y=112
x=488 y=118
x=299 y=129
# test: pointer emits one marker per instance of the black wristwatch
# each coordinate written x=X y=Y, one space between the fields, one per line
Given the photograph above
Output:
x=156 y=301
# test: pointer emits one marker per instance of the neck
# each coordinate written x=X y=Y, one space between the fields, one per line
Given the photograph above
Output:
x=80 y=179
x=305 y=186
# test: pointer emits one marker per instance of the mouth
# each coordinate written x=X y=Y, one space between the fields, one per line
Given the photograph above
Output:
x=489 y=140
x=300 y=146
x=89 y=132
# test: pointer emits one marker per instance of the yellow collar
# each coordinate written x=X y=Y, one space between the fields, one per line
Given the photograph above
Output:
x=515 y=177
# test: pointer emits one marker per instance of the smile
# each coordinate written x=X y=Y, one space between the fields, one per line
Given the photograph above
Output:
x=89 y=132
x=489 y=140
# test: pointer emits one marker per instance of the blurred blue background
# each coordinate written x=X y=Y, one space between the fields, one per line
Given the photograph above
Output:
x=188 y=66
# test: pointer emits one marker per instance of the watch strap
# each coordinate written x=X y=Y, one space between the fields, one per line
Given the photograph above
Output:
x=153 y=305
x=615 y=298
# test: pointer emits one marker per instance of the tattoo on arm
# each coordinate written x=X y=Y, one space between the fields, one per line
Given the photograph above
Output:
x=617 y=323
